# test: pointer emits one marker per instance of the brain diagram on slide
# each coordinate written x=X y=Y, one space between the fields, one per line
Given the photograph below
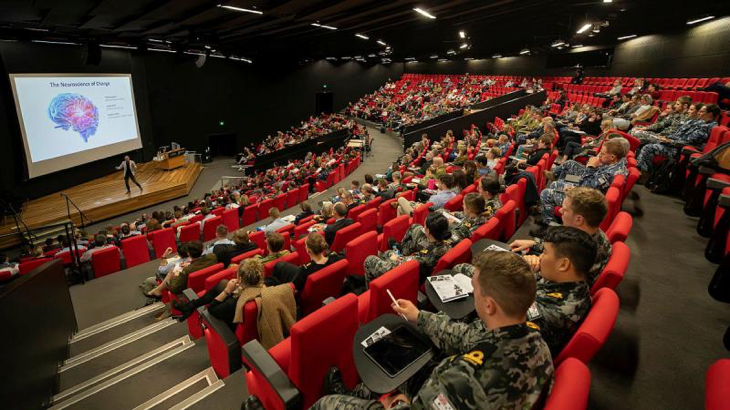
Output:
x=75 y=112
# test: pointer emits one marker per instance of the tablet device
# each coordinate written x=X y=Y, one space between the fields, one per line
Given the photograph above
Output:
x=398 y=350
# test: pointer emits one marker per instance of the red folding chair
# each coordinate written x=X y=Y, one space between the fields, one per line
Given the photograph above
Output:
x=360 y=248
x=106 y=261
x=135 y=250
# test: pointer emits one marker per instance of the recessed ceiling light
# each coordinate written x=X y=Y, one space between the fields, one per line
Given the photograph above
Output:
x=434 y=56
x=362 y=36
x=700 y=19
x=424 y=13
x=468 y=58
x=497 y=56
x=627 y=37
x=118 y=46
x=324 y=26
x=381 y=42
x=240 y=9
x=441 y=60
x=525 y=51
x=584 y=28
x=608 y=1
x=463 y=46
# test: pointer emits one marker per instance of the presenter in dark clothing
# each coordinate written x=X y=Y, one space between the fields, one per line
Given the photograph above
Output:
x=129 y=170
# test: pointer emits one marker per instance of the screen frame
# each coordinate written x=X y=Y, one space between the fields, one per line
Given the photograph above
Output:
x=49 y=166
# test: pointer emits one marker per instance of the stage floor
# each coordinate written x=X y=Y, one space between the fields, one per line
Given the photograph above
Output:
x=106 y=197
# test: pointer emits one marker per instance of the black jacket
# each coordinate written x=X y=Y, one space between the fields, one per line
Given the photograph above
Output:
x=225 y=253
x=301 y=216
x=536 y=156
x=331 y=229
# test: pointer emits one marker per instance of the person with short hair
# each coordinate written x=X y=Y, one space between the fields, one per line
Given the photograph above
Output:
x=385 y=192
x=475 y=214
x=425 y=244
x=498 y=361
x=664 y=126
x=341 y=221
x=99 y=244
x=275 y=244
x=7 y=266
x=221 y=238
x=177 y=279
x=320 y=257
x=240 y=244
x=277 y=222
x=598 y=173
x=129 y=168
x=306 y=212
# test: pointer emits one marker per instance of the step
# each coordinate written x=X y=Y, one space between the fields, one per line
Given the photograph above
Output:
x=106 y=357
x=116 y=321
x=111 y=377
x=120 y=329
x=229 y=397
x=185 y=394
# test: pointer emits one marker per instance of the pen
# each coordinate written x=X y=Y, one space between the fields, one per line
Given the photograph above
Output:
x=395 y=302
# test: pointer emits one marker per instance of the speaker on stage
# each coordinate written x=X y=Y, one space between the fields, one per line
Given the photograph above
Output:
x=324 y=103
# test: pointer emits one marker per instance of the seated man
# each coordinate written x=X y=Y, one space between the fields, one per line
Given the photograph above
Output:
x=275 y=246
x=306 y=212
x=667 y=125
x=240 y=244
x=6 y=265
x=544 y=145
x=276 y=221
x=598 y=173
x=320 y=256
x=693 y=133
x=341 y=221
x=367 y=194
x=384 y=190
x=584 y=209
x=496 y=362
x=425 y=244
x=444 y=194
x=99 y=244
x=221 y=238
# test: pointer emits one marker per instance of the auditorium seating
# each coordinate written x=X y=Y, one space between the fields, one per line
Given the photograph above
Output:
x=345 y=235
x=717 y=385
x=161 y=240
x=135 y=250
x=106 y=261
x=572 y=382
x=402 y=282
x=325 y=283
x=360 y=248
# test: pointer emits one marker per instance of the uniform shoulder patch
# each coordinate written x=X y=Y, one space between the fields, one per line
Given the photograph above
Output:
x=532 y=326
x=475 y=357
x=556 y=295
x=424 y=251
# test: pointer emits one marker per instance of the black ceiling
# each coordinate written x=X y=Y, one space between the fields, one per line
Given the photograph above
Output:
x=285 y=30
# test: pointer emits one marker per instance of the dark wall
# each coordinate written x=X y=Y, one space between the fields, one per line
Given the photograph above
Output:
x=702 y=51
x=176 y=101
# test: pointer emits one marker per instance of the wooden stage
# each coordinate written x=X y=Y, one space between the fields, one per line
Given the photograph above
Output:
x=106 y=197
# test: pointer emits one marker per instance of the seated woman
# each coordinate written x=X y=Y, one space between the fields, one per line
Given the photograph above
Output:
x=425 y=244
x=318 y=251
x=327 y=212
x=490 y=188
x=475 y=214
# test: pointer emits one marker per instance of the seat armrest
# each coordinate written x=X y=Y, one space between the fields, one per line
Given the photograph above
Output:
x=717 y=184
x=261 y=360
x=724 y=201
x=190 y=294
x=228 y=338
x=421 y=298
x=706 y=171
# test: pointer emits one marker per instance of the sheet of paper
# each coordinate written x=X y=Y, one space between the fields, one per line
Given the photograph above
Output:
x=495 y=248
x=377 y=335
x=465 y=282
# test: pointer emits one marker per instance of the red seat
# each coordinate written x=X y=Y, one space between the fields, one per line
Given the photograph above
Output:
x=613 y=197
x=717 y=386
x=368 y=221
x=594 y=330
x=356 y=211
x=292 y=198
x=287 y=229
x=409 y=195
x=67 y=256
x=196 y=280
x=259 y=238
x=303 y=193
x=303 y=229
x=28 y=266
x=420 y=213
x=634 y=175
x=386 y=212
x=231 y=220
x=250 y=254
x=264 y=207
x=317 y=342
x=292 y=257
x=507 y=217
x=620 y=227
x=395 y=229
x=212 y=280
x=325 y=283
x=454 y=204
x=402 y=281
x=196 y=218
x=190 y=233
x=345 y=235
x=161 y=240
x=572 y=382
x=461 y=253
x=250 y=215
x=106 y=261
x=615 y=269
x=209 y=227
x=279 y=202
x=374 y=203
x=360 y=248
x=300 y=247
x=218 y=211
x=135 y=250
x=490 y=230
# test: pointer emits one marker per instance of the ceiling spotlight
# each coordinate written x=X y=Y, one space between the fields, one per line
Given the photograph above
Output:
x=627 y=37
x=577 y=45
x=608 y=1
x=525 y=51
x=558 y=43
x=434 y=56
x=413 y=61
x=371 y=55
x=462 y=34
x=452 y=52
x=700 y=19
x=240 y=9
x=441 y=60
x=362 y=36
x=584 y=28
x=324 y=26
x=410 y=59
x=497 y=56
x=463 y=46
x=331 y=58
x=381 y=42
x=424 y=13
x=345 y=58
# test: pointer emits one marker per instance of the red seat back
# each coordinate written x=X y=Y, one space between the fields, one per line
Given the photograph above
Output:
x=190 y=233
x=264 y=207
x=421 y=212
x=135 y=250
x=356 y=211
x=572 y=381
x=490 y=230
x=250 y=254
x=460 y=253
x=613 y=197
x=287 y=229
x=292 y=198
x=620 y=227
x=368 y=221
x=634 y=175
x=454 y=204
x=386 y=212
x=27 y=267
x=303 y=193
x=395 y=229
x=212 y=280
x=209 y=227
x=360 y=248
x=292 y=257
x=250 y=215
x=345 y=235
x=375 y=203
x=231 y=220
x=259 y=238
x=507 y=217
x=326 y=282
x=196 y=280
x=161 y=240
x=615 y=269
x=402 y=282
x=594 y=330
x=303 y=229
x=106 y=261
x=280 y=202
x=717 y=385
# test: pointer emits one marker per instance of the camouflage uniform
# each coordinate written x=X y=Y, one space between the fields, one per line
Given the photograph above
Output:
x=415 y=246
x=599 y=178
x=558 y=310
x=693 y=133
x=467 y=226
x=603 y=254
x=508 y=367
x=665 y=126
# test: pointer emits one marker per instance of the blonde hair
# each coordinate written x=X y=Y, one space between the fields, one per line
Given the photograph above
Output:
x=250 y=272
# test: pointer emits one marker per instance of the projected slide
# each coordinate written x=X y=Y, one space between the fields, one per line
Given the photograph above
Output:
x=74 y=118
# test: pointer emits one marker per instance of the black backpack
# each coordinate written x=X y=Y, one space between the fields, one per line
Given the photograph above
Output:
x=660 y=181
